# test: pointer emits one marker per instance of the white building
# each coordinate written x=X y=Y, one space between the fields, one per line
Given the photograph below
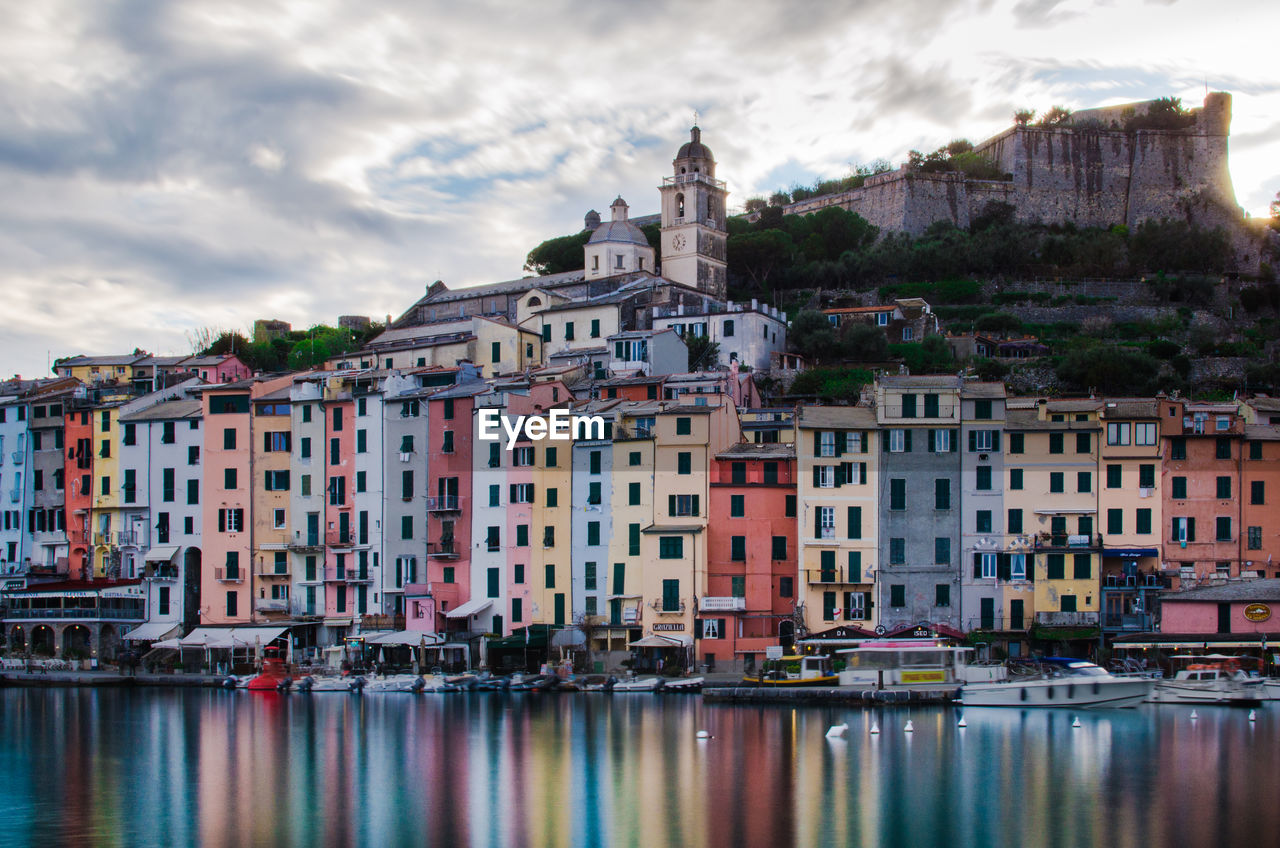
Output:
x=618 y=247
x=747 y=334
x=16 y=541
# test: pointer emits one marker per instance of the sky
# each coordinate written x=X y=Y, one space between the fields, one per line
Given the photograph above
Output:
x=170 y=166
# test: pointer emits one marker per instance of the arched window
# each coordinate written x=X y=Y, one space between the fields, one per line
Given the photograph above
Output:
x=535 y=301
x=679 y=205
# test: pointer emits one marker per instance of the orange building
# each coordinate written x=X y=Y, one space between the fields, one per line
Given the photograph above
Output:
x=1260 y=498
x=752 y=550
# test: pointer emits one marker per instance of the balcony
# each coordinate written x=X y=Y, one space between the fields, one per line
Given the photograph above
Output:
x=690 y=179
x=442 y=549
x=271 y=605
x=309 y=544
x=228 y=575
x=945 y=412
x=729 y=604
x=1135 y=622
x=78 y=612
x=443 y=503
x=18 y=457
x=995 y=622
x=271 y=570
x=354 y=575
x=382 y=622
x=15 y=495
x=1066 y=541
x=102 y=540
x=339 y=538
x=1134 y=581
x=130 y=539
x=1067 y=619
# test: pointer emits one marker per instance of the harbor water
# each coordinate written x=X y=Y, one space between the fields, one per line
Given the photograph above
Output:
x=211 y=767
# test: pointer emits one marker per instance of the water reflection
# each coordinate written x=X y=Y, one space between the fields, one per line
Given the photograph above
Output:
x=212 y=767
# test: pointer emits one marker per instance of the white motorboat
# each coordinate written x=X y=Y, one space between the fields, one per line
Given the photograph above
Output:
x=394 y=683
x=913 y=664
x=639 y=684
x=1210 y=679
x=1064 y=682
x=683 y=684
x=1271 y=690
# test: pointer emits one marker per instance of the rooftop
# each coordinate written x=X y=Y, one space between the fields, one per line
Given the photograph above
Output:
x=837 y=417
x=749 y=450
x=1242 y=590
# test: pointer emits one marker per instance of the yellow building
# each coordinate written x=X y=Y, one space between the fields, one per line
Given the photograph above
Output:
x=494 y=346
x=674 y=547
x=1052 y=495
x=271 y=447
x=107 y=518
x=837 y=453
x=632 y=500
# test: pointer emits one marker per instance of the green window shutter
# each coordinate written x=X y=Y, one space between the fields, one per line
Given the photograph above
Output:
x=855 y=522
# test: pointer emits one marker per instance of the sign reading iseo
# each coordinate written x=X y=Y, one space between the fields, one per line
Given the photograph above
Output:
x=1257 y=612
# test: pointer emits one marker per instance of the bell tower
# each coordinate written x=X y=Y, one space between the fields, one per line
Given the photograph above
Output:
x=693 y=220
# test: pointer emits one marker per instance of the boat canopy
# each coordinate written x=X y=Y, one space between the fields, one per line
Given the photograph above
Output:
x=470 y=608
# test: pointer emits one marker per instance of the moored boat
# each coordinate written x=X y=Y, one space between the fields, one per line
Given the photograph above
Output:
x=639 y=684
x=1210 y=679
x=810 y=670
x=275 y=673
x=1064 y=682
x=683 y=685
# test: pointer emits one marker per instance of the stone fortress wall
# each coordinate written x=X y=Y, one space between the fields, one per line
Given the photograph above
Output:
x=1091 y=172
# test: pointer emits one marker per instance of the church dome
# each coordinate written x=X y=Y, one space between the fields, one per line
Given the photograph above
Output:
x=624 y=232
x=694 y=148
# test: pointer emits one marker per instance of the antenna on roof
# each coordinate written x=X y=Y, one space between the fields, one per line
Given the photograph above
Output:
x=695 y=111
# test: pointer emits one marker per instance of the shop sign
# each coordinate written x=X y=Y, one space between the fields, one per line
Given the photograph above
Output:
x=660 y=628
x=1257 y=612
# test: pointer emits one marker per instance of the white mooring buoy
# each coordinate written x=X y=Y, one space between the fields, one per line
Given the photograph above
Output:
x=1075 y=722
x=1194 y=715
x=836 y=731
x=910 y=728
x=962 y=722
x=1253 y=715
x=875 y=728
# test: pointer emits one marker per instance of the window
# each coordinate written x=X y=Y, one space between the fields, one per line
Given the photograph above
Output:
x=276 y=481
x=1056 y=483
x=684 y=463
x=1142 y=522
x=737 y=503
x=942 y=493
x=897 y=493
x=1184 y=529
x=1114 y=476
x=1083 y=443
x=593 y=532
x=897 y=595
x=1067 y=603
x=684 y=426
x=277 y=523
x=1084 y=481
x=942 y=550
x=1055 y=443
x=230 y=520
x=492 y=538
x=337 y=419
x=982 y=410
x=854 y=520
x=983 y=521
x=1224 y=529
x=1257 y=492
x=728 y=328
x=1255 y=538
x=670 y=547
x=682 y=505
x=1223 y=423
x=942 y=595
x=1082 y=567
x=897 y=551
x=824 y=476
x=789 y=509
x=521 y=493
x=595 y=326
x=549 y=576
x=446 y=442
x=229 y=438
x=1223 y=450
x=522 y=535
x=908 y=406
x=1223 y=488
x=233 y=607
x=1178 y=447
x=1017 y=566
x=1015 y=478
x=738 y=548
x=1178 y=488
x=228 y=478
x=984 y=441
x=984 y=478
x=1147 y=476
x=193 y=491
x=1144 y=434
x=1255 y=448
x=897 y=440
x=826 y=443
x=1118 y=433
x=1015 y=521
x=495 y=351
x=304 y=447
x=786 y=587
x=941 y=441
x=1017 y=442
x=1056 y=566
x=522 y=457
x=548 y=537
x=1115 y=520
x=779 y=548
x=633 y=458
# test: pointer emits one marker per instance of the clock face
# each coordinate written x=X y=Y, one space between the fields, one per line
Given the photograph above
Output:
x=677 y=242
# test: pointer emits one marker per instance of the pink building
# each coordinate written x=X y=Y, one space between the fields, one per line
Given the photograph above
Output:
x=220 y=369
x=1248 y=608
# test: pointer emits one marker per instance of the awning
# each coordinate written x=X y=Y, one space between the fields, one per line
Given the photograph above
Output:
x=230 y=637
x=161 y=553
x=413 y=638
x=472 y=607
x=570 y=638
x=151 y=631
x=338 y=622
x=1132 y=553
x=656 y=641
x=173 y=644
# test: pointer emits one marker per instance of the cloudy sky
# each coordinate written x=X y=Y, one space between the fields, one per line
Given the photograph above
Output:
x=166 y=166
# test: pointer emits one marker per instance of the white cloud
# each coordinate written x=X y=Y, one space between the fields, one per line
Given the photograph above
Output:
x=175 y=165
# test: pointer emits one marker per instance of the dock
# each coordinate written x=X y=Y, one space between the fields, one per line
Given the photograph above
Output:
x=826 y=695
